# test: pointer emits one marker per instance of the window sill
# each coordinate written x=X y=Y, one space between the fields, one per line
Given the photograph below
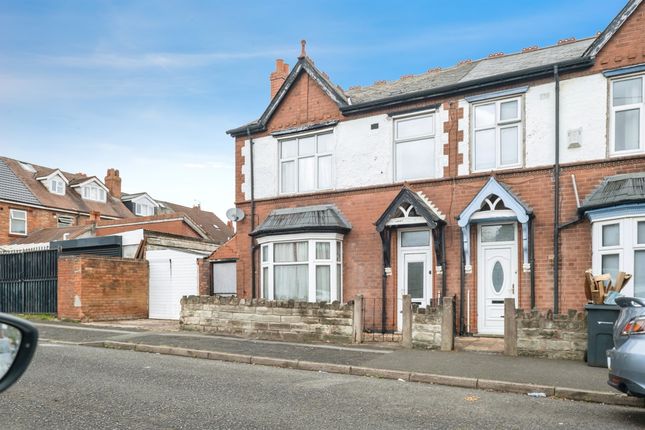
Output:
x=18 y=234
x=631 y=152
x=497 y=169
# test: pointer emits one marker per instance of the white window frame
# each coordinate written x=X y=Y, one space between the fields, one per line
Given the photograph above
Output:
x=498 y=126
x=396 y=141
x=335 y=262
x=94 y=192
x=57 y=186
x=296 y=159
x=143 y=209
x=626 y=249
x=612 y=120
x=12 y=217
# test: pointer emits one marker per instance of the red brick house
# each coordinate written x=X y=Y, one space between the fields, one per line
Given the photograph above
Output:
x=507 y=176
x=41 y=204
x=35 y=197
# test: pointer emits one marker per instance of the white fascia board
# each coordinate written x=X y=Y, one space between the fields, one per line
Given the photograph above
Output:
x=145 y=196
x=299 y=236
x=56 y=172
x=90 y=180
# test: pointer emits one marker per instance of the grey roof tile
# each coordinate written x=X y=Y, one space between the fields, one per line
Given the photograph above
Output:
x=308 y=218
x=470 y=71
x=616 y=190
x=12 y=188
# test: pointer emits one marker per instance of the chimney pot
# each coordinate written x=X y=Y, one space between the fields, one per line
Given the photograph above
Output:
x=113 y=182
x=278 y=76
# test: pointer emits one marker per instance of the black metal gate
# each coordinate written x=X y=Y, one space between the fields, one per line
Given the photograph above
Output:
x=29 y=281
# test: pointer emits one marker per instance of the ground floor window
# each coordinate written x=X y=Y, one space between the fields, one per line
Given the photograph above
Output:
x=302 y=267
x=619 y=245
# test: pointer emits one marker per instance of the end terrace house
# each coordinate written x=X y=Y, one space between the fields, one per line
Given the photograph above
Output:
x=507 y=176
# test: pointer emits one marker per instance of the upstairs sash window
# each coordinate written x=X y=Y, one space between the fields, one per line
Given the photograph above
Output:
x=497 y=135
x=627 y=115
x=306 y=163
x=414 y=143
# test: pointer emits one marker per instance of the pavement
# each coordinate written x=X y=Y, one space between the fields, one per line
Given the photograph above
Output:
x=554 y=378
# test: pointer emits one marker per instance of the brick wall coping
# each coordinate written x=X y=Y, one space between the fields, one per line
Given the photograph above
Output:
x=235 y=301
x=101 y=257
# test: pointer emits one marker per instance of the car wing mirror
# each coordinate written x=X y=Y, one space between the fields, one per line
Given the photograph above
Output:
x=18 y=340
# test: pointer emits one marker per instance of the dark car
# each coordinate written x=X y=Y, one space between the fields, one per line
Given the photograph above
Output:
x=626 y=361
x=18 y=340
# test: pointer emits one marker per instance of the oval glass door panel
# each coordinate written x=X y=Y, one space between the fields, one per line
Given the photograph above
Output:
x=498 y=277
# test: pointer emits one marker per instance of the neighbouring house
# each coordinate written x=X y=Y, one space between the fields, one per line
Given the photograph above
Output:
x=506 y=176
x=45 y=208
x=142 y=204
x=34 y=197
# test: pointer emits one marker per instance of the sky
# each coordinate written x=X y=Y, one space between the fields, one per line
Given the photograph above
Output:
x=150 y=87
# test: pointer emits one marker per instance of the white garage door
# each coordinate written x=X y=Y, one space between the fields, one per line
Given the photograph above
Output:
x=173 y=274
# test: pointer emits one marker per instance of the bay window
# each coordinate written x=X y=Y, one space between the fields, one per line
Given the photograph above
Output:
x=306 y=163
x=305 y=268
x=414 y=143
x=619 y=245
x=627 y=115
x=497 y=135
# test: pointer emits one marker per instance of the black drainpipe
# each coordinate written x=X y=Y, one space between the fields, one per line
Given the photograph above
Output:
x=444 y=285
x=462 y=284
x=532 y=261
x=248 y=133
x=556 y=198
x=386 y=240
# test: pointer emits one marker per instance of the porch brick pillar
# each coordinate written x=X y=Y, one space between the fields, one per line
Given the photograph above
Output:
x=406 y=328
x=510 y=327
x=447 y=324
x=357 y=322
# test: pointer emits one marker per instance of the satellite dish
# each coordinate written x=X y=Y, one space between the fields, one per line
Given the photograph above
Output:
x=235 y=214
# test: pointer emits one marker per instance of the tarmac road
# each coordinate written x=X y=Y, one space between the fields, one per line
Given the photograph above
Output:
x=80 y=387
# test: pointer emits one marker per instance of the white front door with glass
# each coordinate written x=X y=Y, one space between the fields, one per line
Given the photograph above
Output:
x=497 y=275
x=414 y=268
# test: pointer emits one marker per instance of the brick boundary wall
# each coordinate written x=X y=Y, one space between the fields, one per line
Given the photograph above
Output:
x=546 y=335
x=95 y=288
x=271 y=320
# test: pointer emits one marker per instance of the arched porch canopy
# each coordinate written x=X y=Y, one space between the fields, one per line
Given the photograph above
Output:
x=401 y=208
x=495 y=202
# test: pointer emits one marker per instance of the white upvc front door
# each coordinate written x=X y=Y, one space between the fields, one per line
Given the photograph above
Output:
x=414 y=268
x=497 y=275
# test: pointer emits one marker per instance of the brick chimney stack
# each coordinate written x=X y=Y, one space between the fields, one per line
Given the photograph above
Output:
x=113 y=182
x=278 y=76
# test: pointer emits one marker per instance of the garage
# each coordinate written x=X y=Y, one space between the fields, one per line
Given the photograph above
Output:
x=173 y=274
